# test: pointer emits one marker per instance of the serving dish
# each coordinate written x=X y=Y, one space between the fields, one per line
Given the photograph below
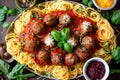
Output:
x=99 y=61
x=99 y=7
x=25 y=4
x=15 y=48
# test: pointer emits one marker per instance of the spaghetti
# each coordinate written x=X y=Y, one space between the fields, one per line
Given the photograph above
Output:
x=104 y=31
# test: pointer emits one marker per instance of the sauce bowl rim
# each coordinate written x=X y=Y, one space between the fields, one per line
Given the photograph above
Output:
x=95 y=3
x=107 y=70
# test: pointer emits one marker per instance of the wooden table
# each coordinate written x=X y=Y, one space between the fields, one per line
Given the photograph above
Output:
x=11 y=4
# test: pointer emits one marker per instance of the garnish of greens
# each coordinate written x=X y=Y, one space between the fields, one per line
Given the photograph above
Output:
x=116 y=54
x=107 y=15
x=61 y=39
x=115 y=71
x=115 y=19
x=5 y=12
x=88 y=3
x=6 y=24
x=16 y=72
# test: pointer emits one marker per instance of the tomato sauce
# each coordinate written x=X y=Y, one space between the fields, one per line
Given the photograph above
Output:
x=74 y=25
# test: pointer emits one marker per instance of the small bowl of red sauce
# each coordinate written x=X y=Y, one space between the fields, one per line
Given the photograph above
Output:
x=96 y=69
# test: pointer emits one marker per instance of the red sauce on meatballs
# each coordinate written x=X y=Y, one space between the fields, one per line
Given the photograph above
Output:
x=37 y=30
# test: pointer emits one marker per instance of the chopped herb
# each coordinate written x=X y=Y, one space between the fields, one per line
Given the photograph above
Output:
x=35 y=15
x=41 y=7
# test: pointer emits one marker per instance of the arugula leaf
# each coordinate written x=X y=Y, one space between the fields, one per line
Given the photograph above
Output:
x=4 y=67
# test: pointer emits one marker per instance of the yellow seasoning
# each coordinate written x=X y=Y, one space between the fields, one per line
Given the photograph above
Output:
x=105 y=3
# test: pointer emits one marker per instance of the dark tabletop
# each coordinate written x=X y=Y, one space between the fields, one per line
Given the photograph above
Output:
x=112 y=64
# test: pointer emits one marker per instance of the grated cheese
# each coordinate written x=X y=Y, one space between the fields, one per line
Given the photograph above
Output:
x=72 y=42
x=49 y=41
x=85 y=25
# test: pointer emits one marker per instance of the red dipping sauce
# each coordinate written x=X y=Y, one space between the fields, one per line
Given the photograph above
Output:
x=96 y=70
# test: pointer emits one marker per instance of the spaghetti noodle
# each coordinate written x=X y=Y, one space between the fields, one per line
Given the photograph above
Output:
x=105 y=34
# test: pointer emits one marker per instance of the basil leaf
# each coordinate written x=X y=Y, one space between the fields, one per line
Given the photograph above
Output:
x=17 y=70
x=68 y=47
x=60 y=44
x=56 y=35
x=2 y=17
x=12 y=12
x=1 y=73
x=1 y=6
x=5 y=8
x=85 y=2
x=6 y=24
x=29 y=75
x=115 y=71
x=4 y=67
x=90 y=3
x=65 y=33
x=2 y=11
x=106 y=15
x=116 y=54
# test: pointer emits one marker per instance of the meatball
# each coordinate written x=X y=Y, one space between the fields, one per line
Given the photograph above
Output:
x=82 y=54
x=88 y=42
x=70 y=59
x=59 y=27
x=43 y=57
x=37 y=27
x=64 y=19
x=50 y=20
x=30 y=44
x=85 y=28
x=57 y=59
x=73 y=41
x=57 y=56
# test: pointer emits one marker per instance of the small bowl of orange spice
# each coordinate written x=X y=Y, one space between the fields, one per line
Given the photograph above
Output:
x=105 y=4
